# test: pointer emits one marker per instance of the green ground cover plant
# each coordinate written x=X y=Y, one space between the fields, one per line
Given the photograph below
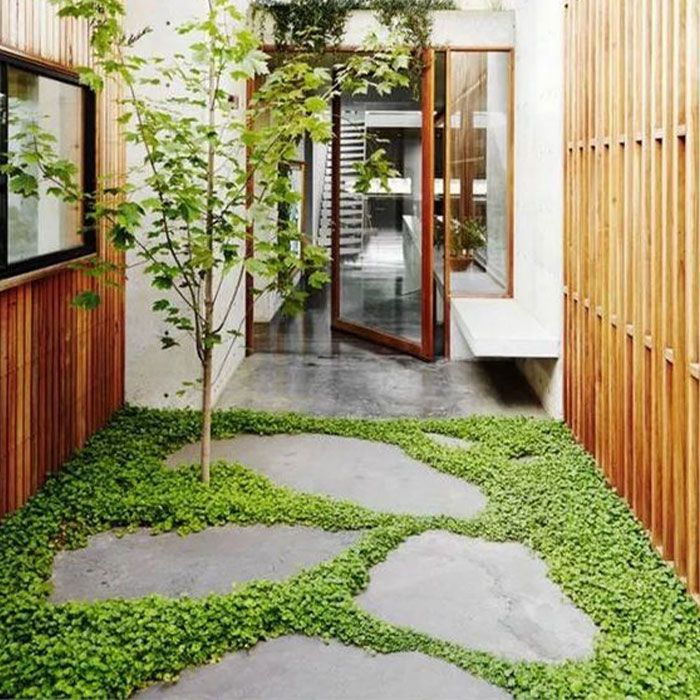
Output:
x=555 y=501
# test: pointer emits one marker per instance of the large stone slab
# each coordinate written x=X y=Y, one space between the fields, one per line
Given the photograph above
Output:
x=493 y=597
x=372 y=474
x=196 y=565
x=300 y=668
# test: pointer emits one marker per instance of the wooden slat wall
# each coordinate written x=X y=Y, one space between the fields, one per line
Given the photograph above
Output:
x=632 y=267
x=61 y=370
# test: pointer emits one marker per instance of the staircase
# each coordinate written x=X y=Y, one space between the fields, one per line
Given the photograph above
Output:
x=352 y=206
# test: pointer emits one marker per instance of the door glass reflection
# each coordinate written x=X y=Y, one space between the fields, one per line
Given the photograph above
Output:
x=380 y=232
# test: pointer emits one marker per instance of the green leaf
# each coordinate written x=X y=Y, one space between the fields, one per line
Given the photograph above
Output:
x=88 y=300
x=161 y=305
x=315 y=104
x=167 y=342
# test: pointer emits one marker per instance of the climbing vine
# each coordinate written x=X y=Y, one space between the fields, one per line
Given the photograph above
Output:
x=413 y=17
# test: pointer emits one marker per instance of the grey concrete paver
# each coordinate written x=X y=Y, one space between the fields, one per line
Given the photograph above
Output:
x=373 y=474
x=493 y=597
x=196 y=565
x=301 y=668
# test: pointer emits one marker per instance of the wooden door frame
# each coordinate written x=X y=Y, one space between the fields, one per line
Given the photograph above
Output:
x=425 y=349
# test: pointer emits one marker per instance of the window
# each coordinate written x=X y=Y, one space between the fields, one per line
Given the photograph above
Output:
x=43 y=231
x=478 y=202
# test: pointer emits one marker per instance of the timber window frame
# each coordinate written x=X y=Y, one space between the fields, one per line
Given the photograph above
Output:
x=88 y=138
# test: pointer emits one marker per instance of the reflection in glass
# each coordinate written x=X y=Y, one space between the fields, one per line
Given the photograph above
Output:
x=380 y=232
x=44 y=225
x=478 y=218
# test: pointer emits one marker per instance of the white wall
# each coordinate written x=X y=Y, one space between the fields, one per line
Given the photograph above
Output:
x=539 y=185
x=464 y=29
x=153 y=375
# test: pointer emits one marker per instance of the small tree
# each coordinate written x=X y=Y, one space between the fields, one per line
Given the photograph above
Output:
x=211 y=179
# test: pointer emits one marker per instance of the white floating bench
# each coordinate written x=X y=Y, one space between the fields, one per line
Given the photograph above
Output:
x=502 y=328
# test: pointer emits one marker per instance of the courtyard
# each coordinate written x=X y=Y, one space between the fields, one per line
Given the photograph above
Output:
x=350 y=349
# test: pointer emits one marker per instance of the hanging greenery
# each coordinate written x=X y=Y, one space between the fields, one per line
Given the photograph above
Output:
x=412 y=17
x=318 y=25
x=312 y=25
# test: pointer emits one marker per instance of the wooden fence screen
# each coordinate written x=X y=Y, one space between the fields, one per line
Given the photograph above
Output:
x=632 y=297
x=61 y=370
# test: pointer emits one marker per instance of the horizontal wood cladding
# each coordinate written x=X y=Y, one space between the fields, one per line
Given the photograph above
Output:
x=632 y=269
x=61 y=370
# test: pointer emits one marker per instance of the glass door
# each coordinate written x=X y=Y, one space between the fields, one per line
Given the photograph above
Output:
x=382 y=240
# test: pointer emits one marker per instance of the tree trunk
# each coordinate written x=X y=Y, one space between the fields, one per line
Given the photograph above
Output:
x=205 y=459
x=207 y=350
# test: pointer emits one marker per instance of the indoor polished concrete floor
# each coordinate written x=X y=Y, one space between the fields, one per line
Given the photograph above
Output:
x=300 y=365
x=309 y=333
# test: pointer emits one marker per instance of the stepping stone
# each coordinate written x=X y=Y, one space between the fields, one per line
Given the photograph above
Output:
x=375 y=475
x=449 y=441
x=300 y=668
x=494 y=597
x=205 y=562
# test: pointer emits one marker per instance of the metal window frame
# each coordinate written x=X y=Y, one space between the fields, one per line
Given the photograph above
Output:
x=89 y=166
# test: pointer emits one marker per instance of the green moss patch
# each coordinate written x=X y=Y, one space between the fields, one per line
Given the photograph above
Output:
x=556 y=502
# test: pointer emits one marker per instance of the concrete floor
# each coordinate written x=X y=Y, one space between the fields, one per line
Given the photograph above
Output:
x=378 y=385
x=210 y=561
x=301 y=365
x=491 y=596
x=309 y=333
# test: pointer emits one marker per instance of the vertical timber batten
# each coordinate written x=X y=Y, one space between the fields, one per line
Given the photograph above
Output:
x=61 y=370
x=632 y=268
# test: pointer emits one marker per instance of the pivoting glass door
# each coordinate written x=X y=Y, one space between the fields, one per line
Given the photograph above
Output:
x=382 y=239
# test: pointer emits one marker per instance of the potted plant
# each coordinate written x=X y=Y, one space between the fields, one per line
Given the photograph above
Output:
x=466 y=237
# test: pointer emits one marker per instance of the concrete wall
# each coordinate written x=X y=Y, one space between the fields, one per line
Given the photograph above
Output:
x=539 y=190
x=474 y=28
x=153 y=376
